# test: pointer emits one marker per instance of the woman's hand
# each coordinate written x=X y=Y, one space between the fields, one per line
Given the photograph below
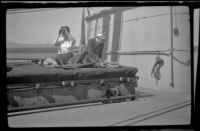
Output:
x=58 y=41
x=71 y=38
x=59 y=32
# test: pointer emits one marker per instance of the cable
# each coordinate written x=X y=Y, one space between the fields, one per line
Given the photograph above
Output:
x=175 y=17
x=93 y=10
x=15 y=12
x=137 y=19
x=17 y=9
x=88 y=11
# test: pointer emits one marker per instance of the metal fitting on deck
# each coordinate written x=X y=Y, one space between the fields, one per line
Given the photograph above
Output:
x=63 y=83
x=37 y=86
x=101 y=81
x=72 y=83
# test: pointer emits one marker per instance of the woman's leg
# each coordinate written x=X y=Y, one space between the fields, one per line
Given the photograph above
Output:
x=81 y=58
x=66 y=57
x=58 y=59
x=63 y=59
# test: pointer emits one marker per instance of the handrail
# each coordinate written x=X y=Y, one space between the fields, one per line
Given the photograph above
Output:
x=144 y=51
x=23 y=58
x=136 y=53
x=147 y=52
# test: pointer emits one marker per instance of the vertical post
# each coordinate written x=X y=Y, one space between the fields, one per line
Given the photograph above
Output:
x=82 y=40
x=88 y=30
x=172 y=64
x=96 y=26
x=105 y=31
x=116 y=35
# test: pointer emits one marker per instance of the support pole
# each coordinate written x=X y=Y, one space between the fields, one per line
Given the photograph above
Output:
x=116 y=36
x=172 y=64
x=105 y=31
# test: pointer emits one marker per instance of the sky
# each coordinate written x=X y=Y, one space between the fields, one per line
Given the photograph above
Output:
x=42 y=26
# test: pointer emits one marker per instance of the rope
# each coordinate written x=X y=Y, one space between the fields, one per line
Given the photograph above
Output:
x=29 y=10
x=155 y=72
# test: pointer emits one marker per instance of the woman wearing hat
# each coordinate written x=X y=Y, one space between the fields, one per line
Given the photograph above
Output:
x=94 y=49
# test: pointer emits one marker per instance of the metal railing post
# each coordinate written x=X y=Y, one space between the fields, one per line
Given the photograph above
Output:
x=172 y=64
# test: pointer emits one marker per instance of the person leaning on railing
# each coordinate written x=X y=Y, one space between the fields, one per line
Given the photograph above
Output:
x=95 y=48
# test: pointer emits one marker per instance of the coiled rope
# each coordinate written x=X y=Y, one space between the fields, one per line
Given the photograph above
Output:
x=155 y=72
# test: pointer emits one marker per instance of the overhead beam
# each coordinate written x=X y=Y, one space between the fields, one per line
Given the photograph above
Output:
x=108 y=12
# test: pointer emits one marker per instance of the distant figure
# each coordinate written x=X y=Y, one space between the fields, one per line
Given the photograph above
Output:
x=64 y=42
x=93 y=51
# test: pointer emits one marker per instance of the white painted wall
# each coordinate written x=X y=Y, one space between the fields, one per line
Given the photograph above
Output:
x=182 y=74
x=153 y=33
x=196 y=39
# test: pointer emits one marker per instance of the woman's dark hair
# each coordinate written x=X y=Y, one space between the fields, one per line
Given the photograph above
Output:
x=65 y=27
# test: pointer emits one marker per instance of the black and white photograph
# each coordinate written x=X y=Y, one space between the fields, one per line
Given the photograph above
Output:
x=101 y=66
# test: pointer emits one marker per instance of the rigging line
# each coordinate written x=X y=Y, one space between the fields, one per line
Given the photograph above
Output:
x=33 y=10
x=140 y=18
x=175 y=17
x=93 y=10
x=88 y=11
x=145 y=17
x=26 y=9
x=18 y=9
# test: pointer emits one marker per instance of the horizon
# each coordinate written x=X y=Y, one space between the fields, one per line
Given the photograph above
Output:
x=41 y=27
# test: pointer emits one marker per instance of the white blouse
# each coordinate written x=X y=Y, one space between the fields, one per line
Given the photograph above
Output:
x=65 y=47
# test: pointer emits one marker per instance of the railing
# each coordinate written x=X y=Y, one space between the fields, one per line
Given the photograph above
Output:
x=168 y=52
x=148 y=52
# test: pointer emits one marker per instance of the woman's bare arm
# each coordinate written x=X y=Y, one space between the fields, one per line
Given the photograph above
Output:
x=71 y=38
x=57 y=42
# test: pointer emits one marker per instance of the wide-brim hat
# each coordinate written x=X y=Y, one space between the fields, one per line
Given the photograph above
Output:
x=99 y=35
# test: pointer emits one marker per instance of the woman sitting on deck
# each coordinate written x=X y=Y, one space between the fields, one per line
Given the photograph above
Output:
x=65 y=42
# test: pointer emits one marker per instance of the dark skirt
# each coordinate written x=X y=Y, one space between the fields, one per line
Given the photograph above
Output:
x=62 y=59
